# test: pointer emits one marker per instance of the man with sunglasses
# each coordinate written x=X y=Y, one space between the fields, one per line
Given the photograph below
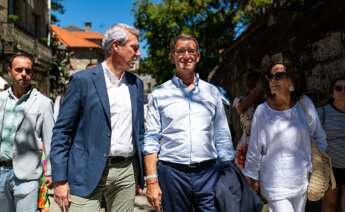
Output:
x=26 y=122
x=188 y=132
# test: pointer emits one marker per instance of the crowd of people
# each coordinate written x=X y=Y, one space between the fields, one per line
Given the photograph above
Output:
x=97 y=153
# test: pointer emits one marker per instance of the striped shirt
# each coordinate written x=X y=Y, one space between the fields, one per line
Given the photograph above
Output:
x=333 y=121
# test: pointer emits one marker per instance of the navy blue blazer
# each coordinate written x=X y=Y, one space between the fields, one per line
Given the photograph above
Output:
x=233 y=193
x=81 y=135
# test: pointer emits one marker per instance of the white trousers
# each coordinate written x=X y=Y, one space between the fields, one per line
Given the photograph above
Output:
x=292 y=204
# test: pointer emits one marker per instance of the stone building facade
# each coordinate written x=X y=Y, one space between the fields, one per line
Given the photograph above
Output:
x=24 y=28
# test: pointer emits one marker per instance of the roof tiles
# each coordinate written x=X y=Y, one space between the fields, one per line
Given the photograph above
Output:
x=74 y=39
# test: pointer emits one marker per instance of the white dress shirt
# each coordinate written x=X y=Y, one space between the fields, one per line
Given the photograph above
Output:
x=120 y=114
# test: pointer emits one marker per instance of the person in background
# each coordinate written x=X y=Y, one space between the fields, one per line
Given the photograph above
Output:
x=187 y=135
x=27 y=123
x=254 y=83
x=332 y=117
x=279 y=150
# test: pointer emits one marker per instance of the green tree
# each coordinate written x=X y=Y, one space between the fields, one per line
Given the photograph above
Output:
x=215 y=23
x=59 y=69
x=56 y=8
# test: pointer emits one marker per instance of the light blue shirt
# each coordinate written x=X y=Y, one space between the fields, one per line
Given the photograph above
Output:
x=187 y=126
x=14 y=112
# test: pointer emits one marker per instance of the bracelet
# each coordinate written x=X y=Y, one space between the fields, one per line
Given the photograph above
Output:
x=151 y=176
x=152 y=181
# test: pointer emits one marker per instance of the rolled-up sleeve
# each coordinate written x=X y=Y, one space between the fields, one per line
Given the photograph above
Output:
x=152 y=134
x=222 y=135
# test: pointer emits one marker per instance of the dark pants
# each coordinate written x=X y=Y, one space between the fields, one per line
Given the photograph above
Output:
x=187 y=189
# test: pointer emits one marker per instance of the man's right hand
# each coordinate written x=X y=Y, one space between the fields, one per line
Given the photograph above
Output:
x=154 y=195
x=61 y=195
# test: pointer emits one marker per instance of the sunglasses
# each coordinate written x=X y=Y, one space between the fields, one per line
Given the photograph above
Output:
x=21 y=69
x=277 y=76
x=339 y=88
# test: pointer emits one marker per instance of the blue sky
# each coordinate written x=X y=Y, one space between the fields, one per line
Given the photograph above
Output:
x=102 y=14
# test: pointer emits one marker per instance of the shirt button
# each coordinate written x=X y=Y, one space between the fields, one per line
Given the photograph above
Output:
x=105 y=155
x=108 y=134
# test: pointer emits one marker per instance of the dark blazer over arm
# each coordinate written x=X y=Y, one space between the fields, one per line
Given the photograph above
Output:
x=81 y=136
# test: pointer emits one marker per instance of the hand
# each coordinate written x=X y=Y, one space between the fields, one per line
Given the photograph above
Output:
x=241 y=152
x=255 y=184
x=139 y=191
x=61 y=195
x=49 y=182
x=236 y=102
x=154 y=195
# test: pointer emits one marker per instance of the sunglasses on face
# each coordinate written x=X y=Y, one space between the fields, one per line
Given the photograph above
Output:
x=277 y=76
x=183 y=51
x=21 y=69
x=339 y=88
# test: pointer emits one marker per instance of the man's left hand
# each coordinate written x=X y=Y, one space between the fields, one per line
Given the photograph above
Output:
x=49 y=182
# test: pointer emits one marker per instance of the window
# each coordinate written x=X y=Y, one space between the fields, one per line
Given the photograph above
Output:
x=37 y=25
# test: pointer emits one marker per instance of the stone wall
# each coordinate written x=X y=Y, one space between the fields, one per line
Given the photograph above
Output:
x=81 y=57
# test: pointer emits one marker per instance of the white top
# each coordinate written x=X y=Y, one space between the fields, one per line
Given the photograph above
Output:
x=279 y=151
x=120 y=114
x=57 y=104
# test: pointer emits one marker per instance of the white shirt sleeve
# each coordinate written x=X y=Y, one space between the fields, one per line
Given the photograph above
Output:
x=316 y=130
x=255 y=147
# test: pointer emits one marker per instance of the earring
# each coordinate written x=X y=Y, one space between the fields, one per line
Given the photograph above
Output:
x=291 y=88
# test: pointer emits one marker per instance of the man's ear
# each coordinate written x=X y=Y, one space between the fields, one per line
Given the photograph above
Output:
x=198 y=57
x=115 y=45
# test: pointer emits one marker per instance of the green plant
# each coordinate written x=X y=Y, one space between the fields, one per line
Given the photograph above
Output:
x=13 y=18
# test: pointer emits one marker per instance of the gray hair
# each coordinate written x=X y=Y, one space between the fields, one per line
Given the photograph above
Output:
x=117 y=32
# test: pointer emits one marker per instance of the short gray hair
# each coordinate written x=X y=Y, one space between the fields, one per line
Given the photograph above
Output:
x=117 y=32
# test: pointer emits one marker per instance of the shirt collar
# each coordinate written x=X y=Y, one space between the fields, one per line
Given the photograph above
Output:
x=22 y=98
x=111 y=77
x=179 y=83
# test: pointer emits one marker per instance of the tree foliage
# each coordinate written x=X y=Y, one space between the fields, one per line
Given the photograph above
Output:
x=215 y=23
x=59 y=66
x=56 y=7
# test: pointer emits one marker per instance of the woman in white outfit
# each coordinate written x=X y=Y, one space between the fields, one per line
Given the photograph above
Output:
x=279 y=151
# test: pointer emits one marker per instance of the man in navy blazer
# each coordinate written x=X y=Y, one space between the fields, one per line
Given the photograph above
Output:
x=96 y=144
